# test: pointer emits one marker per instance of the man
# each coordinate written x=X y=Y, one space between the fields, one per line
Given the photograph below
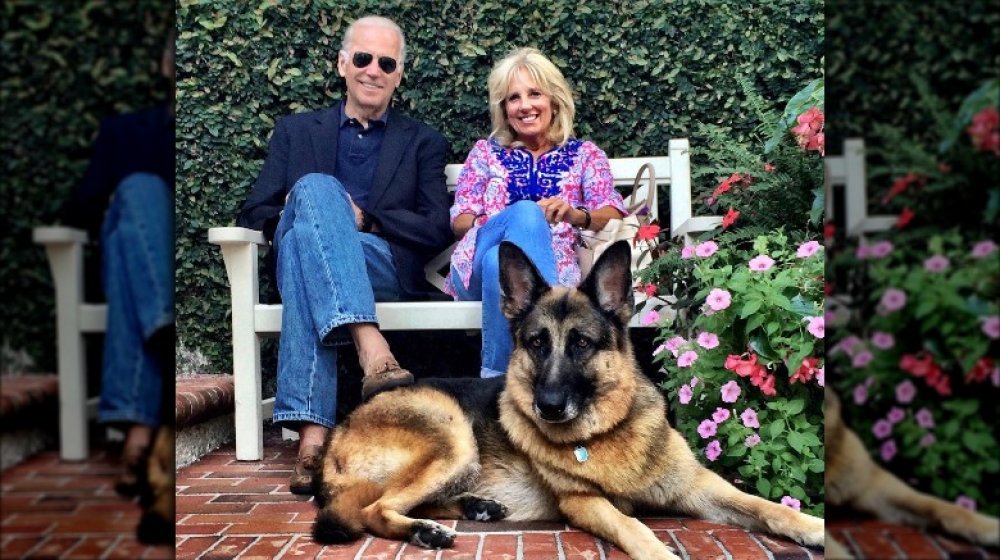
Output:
x=126 y=200
x=354 y=202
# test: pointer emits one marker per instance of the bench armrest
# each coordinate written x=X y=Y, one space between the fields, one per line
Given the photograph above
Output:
x=48 y=235
x=226 y=235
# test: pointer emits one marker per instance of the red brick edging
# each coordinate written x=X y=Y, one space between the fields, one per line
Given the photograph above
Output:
x=202 y=397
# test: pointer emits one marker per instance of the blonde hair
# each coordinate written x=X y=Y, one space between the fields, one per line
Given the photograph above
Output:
x=549 y=79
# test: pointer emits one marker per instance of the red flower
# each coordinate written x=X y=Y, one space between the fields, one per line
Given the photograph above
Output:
x=648 y=289
x=827 y=288
x=809 y=132
x=829 y=231
x=806 y=370
x=944 y=167
x=769 y=168
x=729 y=218
x=648 y=232
x=905 y=217
x=903 y=183
x=985 y=131
x=981 y=371
x=767 y=387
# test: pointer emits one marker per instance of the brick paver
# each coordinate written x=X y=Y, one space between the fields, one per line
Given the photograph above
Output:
x=55 y=509
x=242 y=509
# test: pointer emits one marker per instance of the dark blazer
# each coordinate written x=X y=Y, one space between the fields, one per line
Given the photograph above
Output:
x=409 y=199
x=128 y=143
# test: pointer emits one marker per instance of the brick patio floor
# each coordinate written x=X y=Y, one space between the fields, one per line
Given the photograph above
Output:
x=229 y=509
x=55 y=509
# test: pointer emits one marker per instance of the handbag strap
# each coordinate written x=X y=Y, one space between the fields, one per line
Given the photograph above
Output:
x=634 y=206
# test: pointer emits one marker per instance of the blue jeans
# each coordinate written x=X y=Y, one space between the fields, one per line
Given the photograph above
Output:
x=523 y=224
x=137 y=249
x=329 y=275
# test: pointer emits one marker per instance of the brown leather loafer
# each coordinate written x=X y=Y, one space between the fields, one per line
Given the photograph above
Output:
x=387 y=376
x=305 y=471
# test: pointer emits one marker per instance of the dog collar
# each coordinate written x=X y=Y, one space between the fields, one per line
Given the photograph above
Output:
x=581 y=453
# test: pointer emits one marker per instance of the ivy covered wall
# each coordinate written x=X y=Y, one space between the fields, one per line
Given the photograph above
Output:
x=644 y=72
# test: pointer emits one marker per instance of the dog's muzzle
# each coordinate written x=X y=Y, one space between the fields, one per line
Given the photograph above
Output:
x=555 y=405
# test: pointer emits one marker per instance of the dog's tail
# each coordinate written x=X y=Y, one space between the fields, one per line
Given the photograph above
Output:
x=340 y=520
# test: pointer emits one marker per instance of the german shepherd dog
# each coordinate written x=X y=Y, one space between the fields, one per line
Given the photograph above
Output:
x=853 y=479
x=576 y=431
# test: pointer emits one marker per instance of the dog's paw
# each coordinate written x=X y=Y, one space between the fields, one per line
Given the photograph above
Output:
x=480 y=509
x=429 y=534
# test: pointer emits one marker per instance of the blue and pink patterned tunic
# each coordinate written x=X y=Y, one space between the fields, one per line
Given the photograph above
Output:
x=495 y=177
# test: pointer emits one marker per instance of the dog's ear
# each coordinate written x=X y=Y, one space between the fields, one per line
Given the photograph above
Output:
x=609 y=284
x=520 y=283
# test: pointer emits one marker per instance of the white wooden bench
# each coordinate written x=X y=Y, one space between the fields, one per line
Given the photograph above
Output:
x=251 y=319
x=849 y=171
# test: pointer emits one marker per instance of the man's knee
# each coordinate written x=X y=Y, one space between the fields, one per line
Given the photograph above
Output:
x=143 y=188
x=317 y=184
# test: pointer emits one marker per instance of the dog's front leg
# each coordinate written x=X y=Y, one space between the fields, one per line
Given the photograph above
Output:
x=594 y=513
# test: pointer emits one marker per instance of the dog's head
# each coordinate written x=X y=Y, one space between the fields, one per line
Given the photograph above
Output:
x=572 y=358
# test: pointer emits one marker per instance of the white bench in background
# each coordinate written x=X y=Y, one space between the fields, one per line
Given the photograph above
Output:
x=849 y=171
x=252 y=320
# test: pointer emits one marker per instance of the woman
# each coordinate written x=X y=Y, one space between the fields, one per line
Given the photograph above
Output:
x=530 y=183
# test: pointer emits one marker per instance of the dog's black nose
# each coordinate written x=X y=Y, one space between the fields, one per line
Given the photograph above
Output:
x=551 y=403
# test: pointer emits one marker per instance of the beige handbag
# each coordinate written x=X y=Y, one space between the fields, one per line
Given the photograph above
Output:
x=638 y=203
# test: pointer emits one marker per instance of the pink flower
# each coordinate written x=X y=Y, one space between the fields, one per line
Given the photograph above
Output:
x=882 y=429
x=862 y=252
x=883 y=340
x=694 y=381
x=752 y=440
x=687 y=252
x=991 y=326
x=895 y=415
x=719 y=299
x=983 y=248
x=685 y=394
x=808 y=249
x=893 y=299
x=674 y=344
x=860 y=394
x=817 y=326
x=821 y=377
x=905 y=392
x=937 y=263
x=862 y=359
x=928 y=440
x=791 y=502
x=650 y=318
x=925 y=419
x=708 y=340
x=966 y=502
x=760 y=263
x=706 y=429
x=846 y=345
x=713 y=450
x=720 y=415
x=706 y=249
x=749 y=418
x=730 y=391
x=660 y=348
x=888 y=450
x=881 y=249
x=687 y=358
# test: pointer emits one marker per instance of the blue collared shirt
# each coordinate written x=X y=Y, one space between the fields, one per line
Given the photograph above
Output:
x=357 y=155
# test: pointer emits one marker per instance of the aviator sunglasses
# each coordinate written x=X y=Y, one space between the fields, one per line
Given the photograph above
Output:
x=363 y=59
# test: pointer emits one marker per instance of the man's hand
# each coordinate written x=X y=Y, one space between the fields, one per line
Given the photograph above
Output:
x=359 y=216
x=556 y=209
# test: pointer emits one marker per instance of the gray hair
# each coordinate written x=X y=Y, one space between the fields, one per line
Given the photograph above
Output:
x=375 y=21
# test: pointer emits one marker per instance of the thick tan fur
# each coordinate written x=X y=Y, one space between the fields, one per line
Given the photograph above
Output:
x=854 y=480
x=418 y=443
x=156 y=526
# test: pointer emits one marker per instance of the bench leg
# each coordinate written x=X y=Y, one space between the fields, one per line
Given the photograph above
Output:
x=66 y=262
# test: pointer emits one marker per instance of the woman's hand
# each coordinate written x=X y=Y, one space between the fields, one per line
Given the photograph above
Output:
x=557 y=210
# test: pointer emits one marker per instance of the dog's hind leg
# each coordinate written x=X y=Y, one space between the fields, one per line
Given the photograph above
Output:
x=711 y=497
x=465 y=506
x=422 y=483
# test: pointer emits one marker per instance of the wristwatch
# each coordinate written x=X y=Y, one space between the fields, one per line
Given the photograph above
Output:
x=586 y=213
